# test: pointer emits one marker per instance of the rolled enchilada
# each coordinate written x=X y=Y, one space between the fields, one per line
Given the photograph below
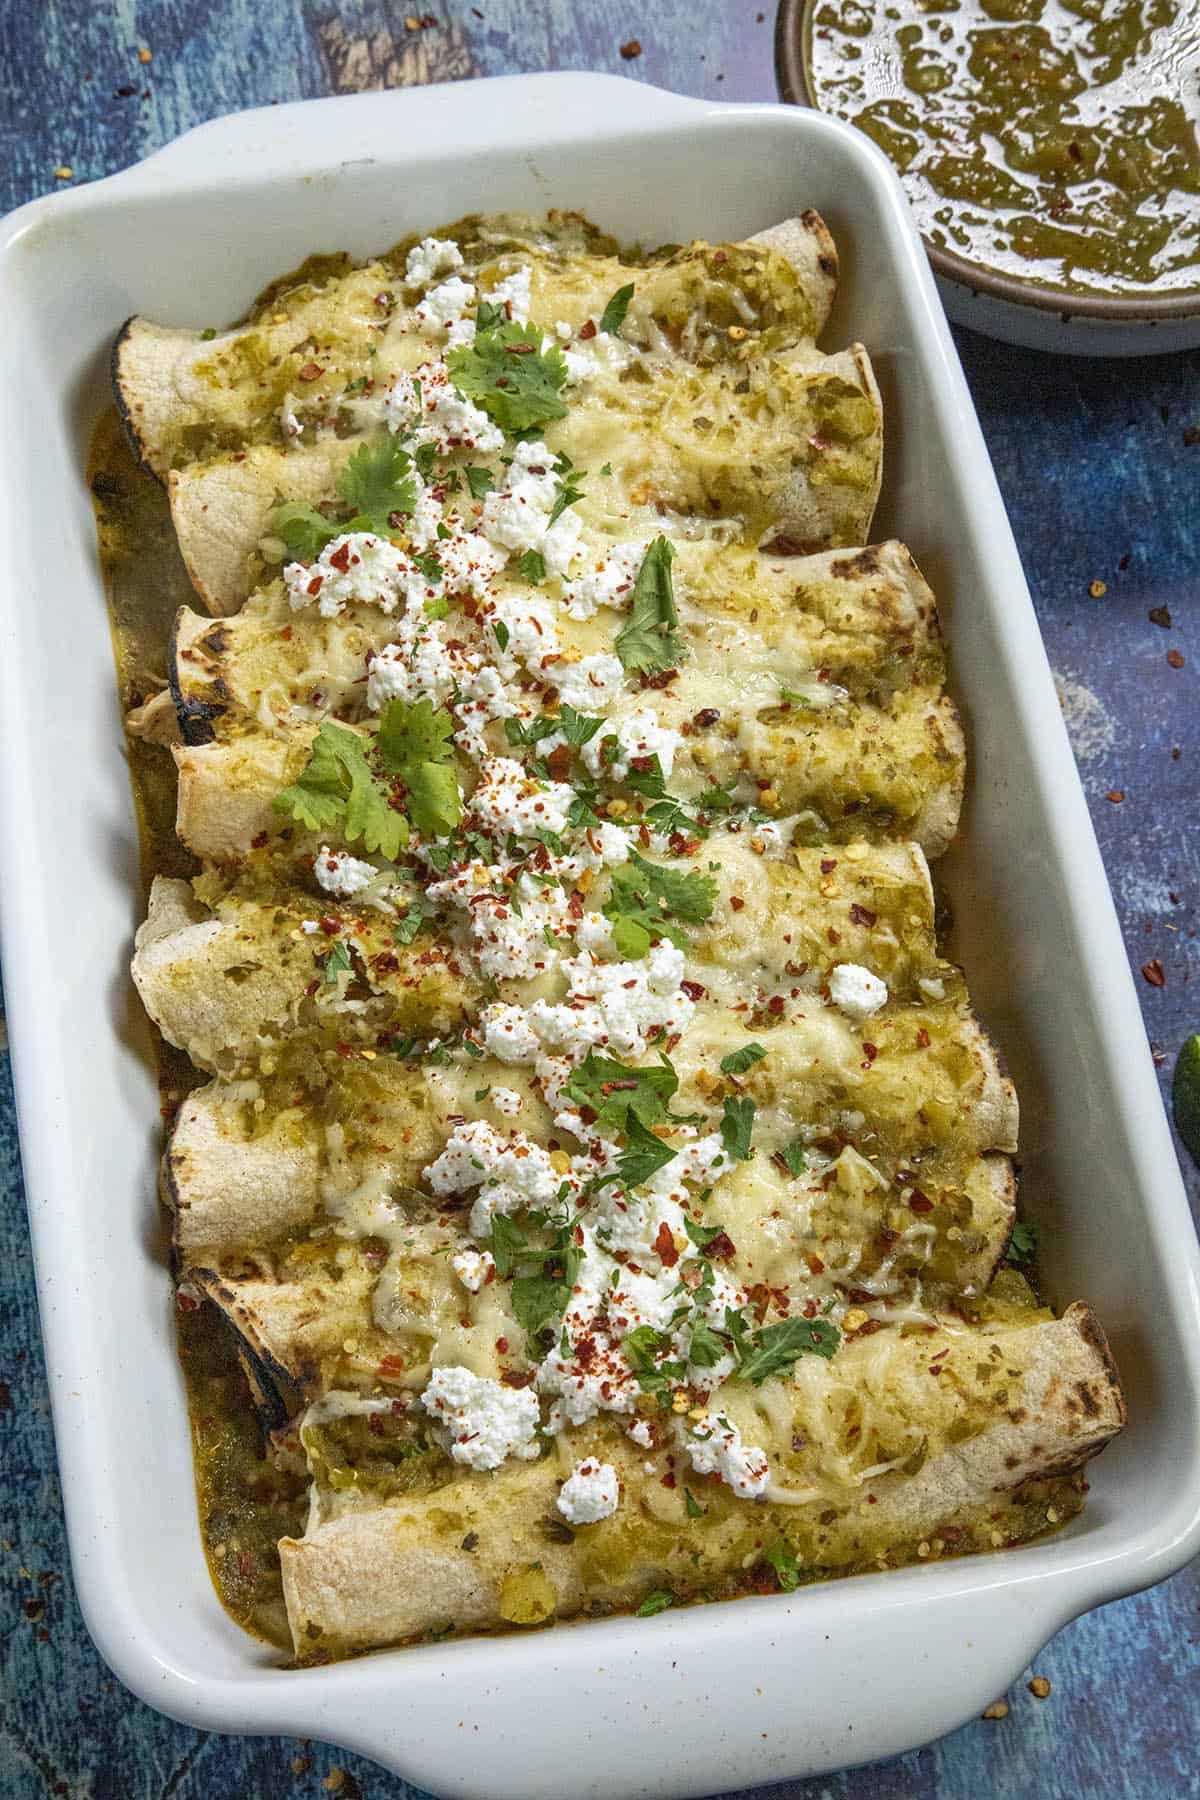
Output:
x=604 y=1177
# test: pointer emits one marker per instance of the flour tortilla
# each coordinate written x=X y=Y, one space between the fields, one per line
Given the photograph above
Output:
x=371 y=1575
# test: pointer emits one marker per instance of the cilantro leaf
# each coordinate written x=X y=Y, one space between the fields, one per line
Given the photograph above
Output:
x=481 y=482
x=613 y=316
x=656 y=1602
x=414 y=733
x=787 y=1569
x=644 y=1155
x=377 y=481
x=578 y=728
x=706 y=1348
x=646 y=895
x=701 y=1235
x=738 y=1061
x=532 y=566
x=615 y=1091
x=538 y=1299
x=630 y=940
x=568 y=492
x=336 y=963
x=795 y=1157
x=647 y=640
x=434 y=799
x=641 y=1348
x=336 y=786
x=304 y=531
x=694 y=1508
x=415 y=742
x=508 y=374
x=736 y=1127
x=406 y=928
x=776 y=1347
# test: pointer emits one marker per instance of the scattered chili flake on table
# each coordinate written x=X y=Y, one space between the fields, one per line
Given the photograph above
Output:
x=144 y=55
x=997 y=1710
x=1116 y=795
x=1039 y=1687
x=1175 y=658
x=1154 y=973
x=1097 y=588
x=631 y=49
x=1158 y=615
x=64 y=172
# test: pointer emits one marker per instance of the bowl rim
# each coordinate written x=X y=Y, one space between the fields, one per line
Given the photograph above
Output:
x=791 y=77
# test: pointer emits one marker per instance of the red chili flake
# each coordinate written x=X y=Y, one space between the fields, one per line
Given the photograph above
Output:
x=870 y=1051
x=1154 y=973
x=502 y=1345
x=385 y=963
x=186 y=1303
x=835 y=937
x=1159 y=615
x=720 y=1248
x=1175 y=658
x=1116 y=795
x=559 y=762
x=919 y=1202
x=664 y=1243
x=828 y=865
x=315 y=585
x=815 y=1264
x=257 y=843
x=736 y=901
x=340 y=560
x=708 y=715
x=329 y=925
x=693 y=989
x=668 y=1479
x=311 y=989
x=809 y=1309
x=775 y=1005
x=390 y=1365
x=923 y=1039
x=661 y=678
x=517 y=1378
x=862 y=915
x=309 y=372
x=633 y=49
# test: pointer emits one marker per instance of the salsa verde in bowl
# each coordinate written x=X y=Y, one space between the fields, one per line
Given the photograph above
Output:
x=1048 y=148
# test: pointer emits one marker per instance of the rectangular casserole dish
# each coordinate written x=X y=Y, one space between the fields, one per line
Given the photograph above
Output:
x=723 y=1696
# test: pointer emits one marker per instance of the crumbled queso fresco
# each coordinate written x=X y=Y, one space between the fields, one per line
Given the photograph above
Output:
x=478 y=573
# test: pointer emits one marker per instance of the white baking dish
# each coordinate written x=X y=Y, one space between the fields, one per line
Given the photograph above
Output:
x=683 y=1703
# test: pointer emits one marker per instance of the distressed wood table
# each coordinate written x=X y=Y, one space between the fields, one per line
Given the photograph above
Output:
x=1100 y=467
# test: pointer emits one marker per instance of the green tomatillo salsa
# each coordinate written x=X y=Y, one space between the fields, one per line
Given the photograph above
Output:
x=1052 y=140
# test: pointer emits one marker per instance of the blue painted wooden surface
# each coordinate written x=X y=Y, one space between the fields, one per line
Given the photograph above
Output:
x=1102 y=485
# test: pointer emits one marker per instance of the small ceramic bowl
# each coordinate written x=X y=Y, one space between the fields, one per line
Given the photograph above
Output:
x=1005 y=306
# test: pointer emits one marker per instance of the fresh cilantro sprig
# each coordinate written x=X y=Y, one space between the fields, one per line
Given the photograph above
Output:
x=648 y=639
x=375 y=483
x=645 y=899
x=1022 y=1245
x=338 y=787
x=616 y=1091
x=738 y=1061
x=775 y=1348
x=508 y=374
x=415 y=743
